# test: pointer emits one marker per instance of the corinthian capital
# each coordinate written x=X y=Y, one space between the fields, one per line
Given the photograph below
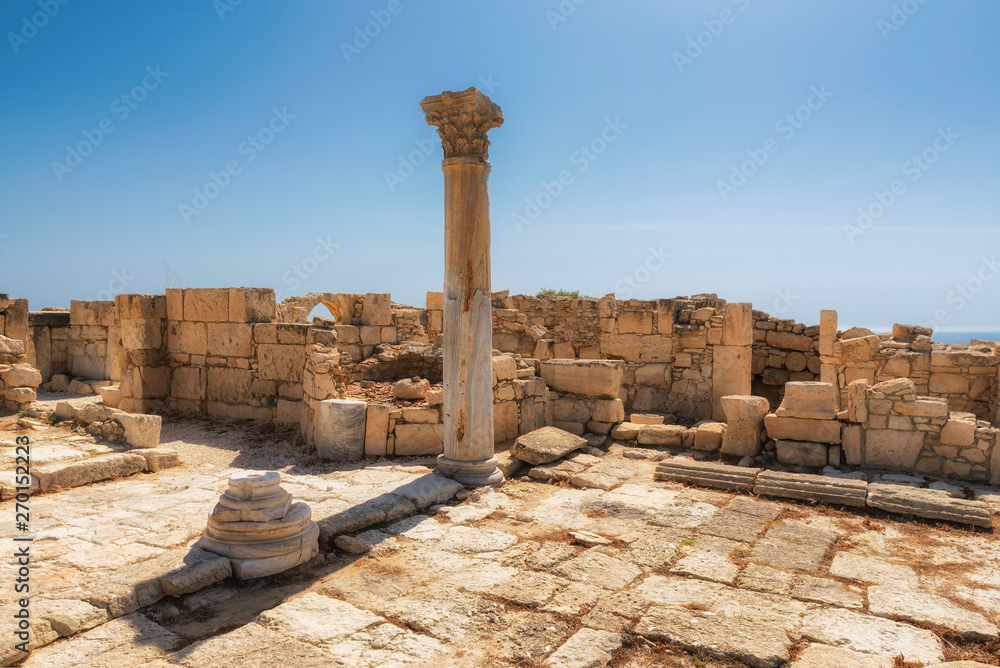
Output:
x=462 y=121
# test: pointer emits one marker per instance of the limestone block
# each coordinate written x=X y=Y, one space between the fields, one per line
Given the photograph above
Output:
x=145 y=334
x=744 y=422
x=563 y=350
x=608 y=410
x=707 y=474
x=930 y=503
x=229 y=339
x=661 y=434
x=731 y=375
x=251 y=305
x=886 y=448
x=73 y=474
x=340 y=429
x=158 y=459
x=851 y=442
x=802 y=453
x=290 y=411
x=627 y=431
x=737 y=324
x=656 y=375
x=435 y=301
x=858 y=349
x=857 y=401
x=411 y=389
x=377 y=309
x=789 y=341
x=545 y=445
x=21 y=375
x=376 y=430
x=948 y=383
x=588 y=378
x=189 y=338
x=959 y=430
x=825 y=489
x=645 y=418
x=188 y=382
x=10 y=346
x=504 y=367
x=111 y=395
x=141 y=431
x=708 y=436
x=133 y=307
x=421 y=415
x=505 y=421
x=418 y=439
x=151 y=382
x=635 y=322
x=802 y=429
x=922 y=407
x=281 y=362
x=175 y=304
x=231 y=386
x=811 y=400
x=637 y=348
x=206 y=304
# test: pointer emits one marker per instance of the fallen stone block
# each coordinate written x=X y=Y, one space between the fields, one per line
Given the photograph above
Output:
x=802 y=453
x=158 y=459
x=87 y=471
x=141 y=431
x=340 y=430
x=744 y=423
x=928 y=503
x=812 y=400
x=626 y=431
x=662 y=434
x=802 y=429
x=585 y=378
x=910 y=606
x=812 y=488
x=546 y=445
x=707 y=474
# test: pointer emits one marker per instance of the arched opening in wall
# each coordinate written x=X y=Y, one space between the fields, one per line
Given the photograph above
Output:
x=323 y=310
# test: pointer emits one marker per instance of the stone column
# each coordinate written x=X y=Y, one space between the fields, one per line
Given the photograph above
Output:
x=462 y=120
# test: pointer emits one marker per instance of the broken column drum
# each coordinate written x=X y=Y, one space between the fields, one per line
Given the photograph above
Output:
x=258 y=526
x=462 y=120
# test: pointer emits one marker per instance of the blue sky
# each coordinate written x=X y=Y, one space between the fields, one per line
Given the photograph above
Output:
x=727 y=146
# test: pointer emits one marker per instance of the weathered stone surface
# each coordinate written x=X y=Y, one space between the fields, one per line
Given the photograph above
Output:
x=744 y=422
x=546 y=445
x=69 y=616
x=794 y=547
x=707 y=474
x=859 y=568
x=198 y=570
x=929 y=503
x=627 y=431
x=708 y=436
x=743 y=519
x=340 y=429
x=825 y=489
x=74 y=474
x=661 y=434
x=802 y=429
x=822 y=590
x=755 y=643
x=410 y=388
x=863 y=633
x=802 y=453
x=586 y=378
x=910 y=606
x=141 y=431
x=418 y=439
x=587 y=648
x=824 y=656
x=887 y=448
x=471 y=540
x=158 y=459
x=599 y=569
x=710 y=558
x=811 y=400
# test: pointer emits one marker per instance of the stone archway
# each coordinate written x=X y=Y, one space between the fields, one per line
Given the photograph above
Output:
x=297 y=309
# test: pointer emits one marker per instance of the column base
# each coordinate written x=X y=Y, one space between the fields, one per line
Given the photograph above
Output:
x=478 y=473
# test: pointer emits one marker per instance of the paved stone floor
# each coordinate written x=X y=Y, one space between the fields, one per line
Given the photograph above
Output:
x=646 y=574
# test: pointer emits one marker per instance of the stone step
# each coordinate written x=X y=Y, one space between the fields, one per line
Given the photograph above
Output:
x=66 y=475
x=808 y=487
x=707 y=474
x=929 y=503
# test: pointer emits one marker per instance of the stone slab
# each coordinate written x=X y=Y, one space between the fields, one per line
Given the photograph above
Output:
x=807 y=487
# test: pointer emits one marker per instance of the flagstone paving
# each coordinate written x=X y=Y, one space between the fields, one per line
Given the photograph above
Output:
x=664 y=575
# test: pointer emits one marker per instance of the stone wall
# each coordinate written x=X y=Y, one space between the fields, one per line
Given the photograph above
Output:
x=14 y=319
x=783 y=351
x=84 y=342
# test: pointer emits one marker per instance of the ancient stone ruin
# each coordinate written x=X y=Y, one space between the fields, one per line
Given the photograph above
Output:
x=531 y=480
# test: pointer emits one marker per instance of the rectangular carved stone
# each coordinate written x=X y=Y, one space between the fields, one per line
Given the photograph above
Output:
x=340 y=430
x=730 y=375
x=376 y=430
x=802 y=429
x=886 y=448
x=206 y=304
x=248 y=305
